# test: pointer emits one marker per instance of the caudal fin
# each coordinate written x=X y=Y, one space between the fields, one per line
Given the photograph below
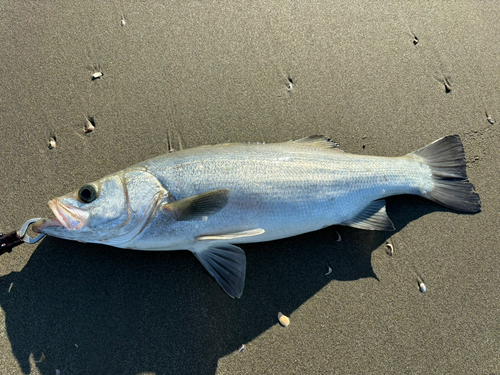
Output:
x=452 y=189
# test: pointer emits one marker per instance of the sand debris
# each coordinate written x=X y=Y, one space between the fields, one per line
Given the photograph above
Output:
x=389 y=249
x=490 y=119
x=283 y=319
x=339 y=238
x=97 y=75
x=52 y=143
x=421 y=286
x=290 y=84
x=42 y=358
x=89 y=124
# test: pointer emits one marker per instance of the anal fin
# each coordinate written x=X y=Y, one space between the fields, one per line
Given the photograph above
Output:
x=373 y=217
x=227 y=264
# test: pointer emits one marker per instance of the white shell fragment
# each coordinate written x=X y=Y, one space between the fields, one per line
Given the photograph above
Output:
x=42 y=358
x=58 y=372
x=390 y=249
x=339 y=238
x=52 y=143
x=243 y=347
x=89 y=124
x=283 y=319
x=421 y=286
x=490 y=119
x=96 y=75
x=329 y=271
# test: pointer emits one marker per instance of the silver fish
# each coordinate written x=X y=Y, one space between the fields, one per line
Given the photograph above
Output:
x=206 y=199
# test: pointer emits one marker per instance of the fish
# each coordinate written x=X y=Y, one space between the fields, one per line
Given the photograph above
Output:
x=208 y=199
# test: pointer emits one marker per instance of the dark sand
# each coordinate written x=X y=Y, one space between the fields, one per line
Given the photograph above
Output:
x=204 y=72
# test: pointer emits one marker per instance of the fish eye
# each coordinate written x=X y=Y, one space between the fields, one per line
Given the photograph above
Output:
x=87 y=193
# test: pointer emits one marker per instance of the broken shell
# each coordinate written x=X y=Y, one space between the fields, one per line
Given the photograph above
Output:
x=422 y=286
x=283 y=319
x=97 y=75
x=89 y=125
x=338 y=238
x=447 y=84
x=329 y=271
x=58 y=372
x=42 y=358
x=390 y=249
x=52 y=143
x=490 y=120
x=243 y=347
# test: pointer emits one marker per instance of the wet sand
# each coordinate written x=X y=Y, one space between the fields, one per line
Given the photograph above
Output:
x=371 y=76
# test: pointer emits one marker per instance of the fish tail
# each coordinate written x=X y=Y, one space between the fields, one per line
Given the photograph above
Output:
x=452 y=189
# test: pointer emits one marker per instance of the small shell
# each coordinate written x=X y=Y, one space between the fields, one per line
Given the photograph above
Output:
x=42 y=358
x=339 y=238
x=123 y=22
x=96 y=75
x=52 y=143
x=390 y=249
x=283 y=319
x=243 y=347
x=422 y=286
x=447 y=84
x=329 y=271
x=89 y=125
x=58 y=372
x=490 y=119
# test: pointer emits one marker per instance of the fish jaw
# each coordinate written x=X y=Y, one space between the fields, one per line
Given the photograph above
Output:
x=41 y=225
x=66 y=216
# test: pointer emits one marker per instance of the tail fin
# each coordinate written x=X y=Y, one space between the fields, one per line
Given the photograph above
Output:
x=452 y=189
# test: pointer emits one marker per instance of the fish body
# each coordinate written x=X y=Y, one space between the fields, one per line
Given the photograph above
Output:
x=207 y=199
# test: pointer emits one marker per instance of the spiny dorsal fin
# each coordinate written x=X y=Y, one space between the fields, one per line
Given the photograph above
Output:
x=198 y=206
x=319 y=141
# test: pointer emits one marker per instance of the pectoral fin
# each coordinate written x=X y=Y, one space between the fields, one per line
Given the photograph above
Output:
x=227 y=264
x=232 y=236
x=198 y=206
x=373 y=217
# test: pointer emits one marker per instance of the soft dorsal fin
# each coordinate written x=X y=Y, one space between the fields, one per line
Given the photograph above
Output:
x=373 y=217
x=198 y=206
x=319 y=141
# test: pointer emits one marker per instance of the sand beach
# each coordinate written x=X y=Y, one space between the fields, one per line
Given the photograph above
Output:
x=379 y=78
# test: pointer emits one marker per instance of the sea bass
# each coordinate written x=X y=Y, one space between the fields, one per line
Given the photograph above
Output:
x=208 y=198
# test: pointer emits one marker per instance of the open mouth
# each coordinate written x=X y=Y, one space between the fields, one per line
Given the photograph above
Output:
x=67 y=216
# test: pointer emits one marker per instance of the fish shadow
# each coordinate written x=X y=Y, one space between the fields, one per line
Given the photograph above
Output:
x=97 y=309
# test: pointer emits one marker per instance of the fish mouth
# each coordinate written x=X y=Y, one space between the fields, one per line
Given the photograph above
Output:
x=66 y=216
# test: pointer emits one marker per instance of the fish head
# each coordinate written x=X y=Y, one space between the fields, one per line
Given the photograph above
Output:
x=111 y=210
